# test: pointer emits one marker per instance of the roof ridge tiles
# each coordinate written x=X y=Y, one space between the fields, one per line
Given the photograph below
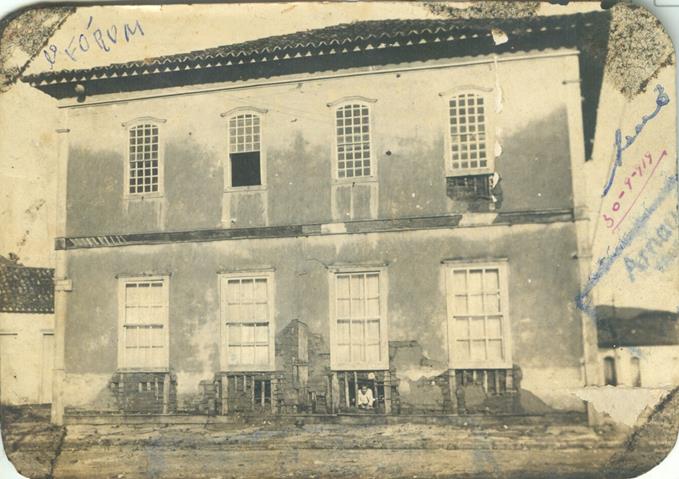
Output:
x=343 y=37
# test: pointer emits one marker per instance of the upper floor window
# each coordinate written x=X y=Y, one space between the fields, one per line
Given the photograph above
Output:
x=358 y=320
x=144 y=167
x=353 y=141
x=477 y=305
x=143 y=323
x=247 y=309
x=468 y=134
x=245 y=154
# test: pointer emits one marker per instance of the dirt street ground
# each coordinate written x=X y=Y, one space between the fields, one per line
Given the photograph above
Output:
x=211 y=449
x=261 y=450
x=419 y=463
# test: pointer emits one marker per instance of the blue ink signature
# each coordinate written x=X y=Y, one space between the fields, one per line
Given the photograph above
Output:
x=583 y=300
x=660 y=101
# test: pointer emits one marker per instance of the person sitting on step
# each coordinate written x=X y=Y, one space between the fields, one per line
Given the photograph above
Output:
x=365 y=398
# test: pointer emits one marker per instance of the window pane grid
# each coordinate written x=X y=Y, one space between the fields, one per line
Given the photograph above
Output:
x=144 y=326
x=478 y=317
x=358 y=317
x=353 y=141
x=468 y=131
x=244 y=133
x=143 y=159
x=247 y=309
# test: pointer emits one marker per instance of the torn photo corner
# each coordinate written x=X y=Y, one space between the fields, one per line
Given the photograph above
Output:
x=338 y=240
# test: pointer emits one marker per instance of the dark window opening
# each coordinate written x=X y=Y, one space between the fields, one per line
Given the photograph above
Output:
x=355 y=386
x=610 y=375
x=376 y=388
x=245 y=169
x=469 y=187
x=262 y=391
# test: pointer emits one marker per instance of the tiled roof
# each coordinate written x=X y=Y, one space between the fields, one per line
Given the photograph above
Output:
x=636 y=327
x=460 y=37
x=26 y=290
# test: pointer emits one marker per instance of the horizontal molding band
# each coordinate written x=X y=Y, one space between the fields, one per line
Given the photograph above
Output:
x=265 y=232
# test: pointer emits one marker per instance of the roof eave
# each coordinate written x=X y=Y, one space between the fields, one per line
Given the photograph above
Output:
x=462 y=38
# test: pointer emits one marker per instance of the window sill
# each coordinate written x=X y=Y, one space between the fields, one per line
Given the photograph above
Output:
x=469 y=172
x=481 y=365
x=137 y=197
x=244 y=189
x=357 y=267
x=359 y=367
x=465 y=262
x=143 y=370
x=358 y=179
x=252 y=369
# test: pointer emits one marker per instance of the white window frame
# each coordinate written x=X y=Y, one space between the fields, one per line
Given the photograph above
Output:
x=489 y=106
x=122 y=361
x=383 y=363
x=502 y=267
x=223 y=321
x=335 y=106
x=128 y=125
x=228 y=116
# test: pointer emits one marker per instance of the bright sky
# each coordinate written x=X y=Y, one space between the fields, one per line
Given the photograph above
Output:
x=172 y=29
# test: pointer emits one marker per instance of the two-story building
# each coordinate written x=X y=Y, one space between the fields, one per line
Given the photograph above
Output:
x=272 y=225
x=633 y=341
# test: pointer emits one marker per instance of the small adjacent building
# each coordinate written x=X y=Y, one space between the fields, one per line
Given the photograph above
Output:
x=638 y=347
x=269 y=226
x=26 y=334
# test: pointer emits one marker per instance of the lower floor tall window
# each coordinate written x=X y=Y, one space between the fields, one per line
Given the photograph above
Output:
x=359 y=320
x=247 y=306
x=144 y=323
x=478 y=325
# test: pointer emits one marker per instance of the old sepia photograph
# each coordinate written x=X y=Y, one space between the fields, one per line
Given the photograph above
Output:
x=338 y=240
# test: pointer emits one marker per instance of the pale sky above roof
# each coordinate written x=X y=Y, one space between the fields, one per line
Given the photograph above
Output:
x=170 y=29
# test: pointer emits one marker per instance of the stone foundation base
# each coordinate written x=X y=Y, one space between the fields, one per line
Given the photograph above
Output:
x=145 y=392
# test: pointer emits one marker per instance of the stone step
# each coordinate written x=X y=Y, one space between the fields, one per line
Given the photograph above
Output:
x=341 y=437
x=345 y=418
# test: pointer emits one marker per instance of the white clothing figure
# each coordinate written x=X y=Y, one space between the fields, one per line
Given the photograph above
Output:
x=365 y=398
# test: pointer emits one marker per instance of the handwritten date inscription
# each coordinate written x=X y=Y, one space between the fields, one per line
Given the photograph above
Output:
x=92 y=38
x=632 y=187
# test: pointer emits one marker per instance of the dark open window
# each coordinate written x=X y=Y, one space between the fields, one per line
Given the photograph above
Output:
x=369 y=384
x=262 y=392
x=245 y=169
x=610 y=375
x=245 y=150
x=469 y=187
